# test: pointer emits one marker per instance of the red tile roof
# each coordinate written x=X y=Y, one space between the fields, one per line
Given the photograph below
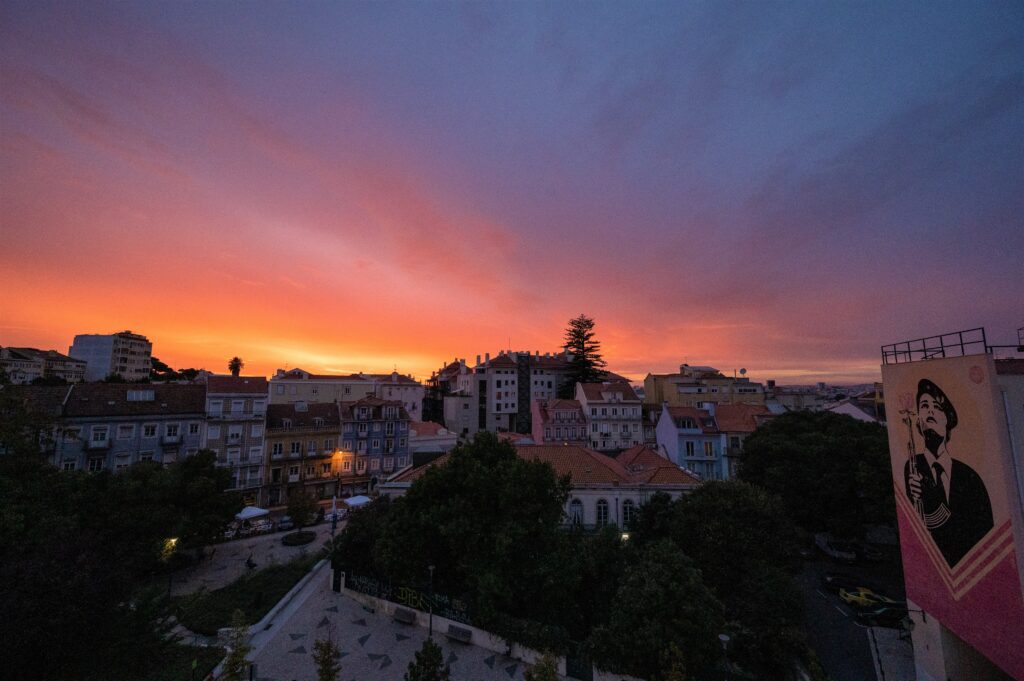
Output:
x=111 y=399
x=593 y=391
x=236 y=384
x=739 y=418
x=646 y=465
x=691 y=417
x=586 y=467
x=425 y=428
x=503 y=362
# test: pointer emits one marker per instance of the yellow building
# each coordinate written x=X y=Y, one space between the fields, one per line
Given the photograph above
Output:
x=694 y=386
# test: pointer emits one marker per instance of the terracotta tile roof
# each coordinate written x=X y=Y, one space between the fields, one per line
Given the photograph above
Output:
x=593 y=391
x=691 y=417
x=559 y=405
x=424 y=428
x=302 y=418
x=564 y=404
x=111 y=399
x=237 y=385
x=393 y=377
x=376 y=404
x=584 y=466
x=739 y=418
x=47 y=400
x=646 y=465
x=503 y=362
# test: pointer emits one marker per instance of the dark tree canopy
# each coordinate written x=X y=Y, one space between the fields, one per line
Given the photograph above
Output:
x=235 y=365
x=302 y=506
x=587 y=365
x=428 y=664
x=831 y=470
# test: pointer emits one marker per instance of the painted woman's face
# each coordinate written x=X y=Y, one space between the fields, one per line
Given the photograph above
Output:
x=930 y=416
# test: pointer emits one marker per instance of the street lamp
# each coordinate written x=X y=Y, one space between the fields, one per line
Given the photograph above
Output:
x=724 y=638
x=430 y=633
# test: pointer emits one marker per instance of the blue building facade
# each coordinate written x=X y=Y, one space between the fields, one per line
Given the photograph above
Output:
x=376 y=432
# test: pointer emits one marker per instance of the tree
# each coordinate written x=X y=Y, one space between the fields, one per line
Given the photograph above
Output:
x=587 y=365
x=428 y=664
x=235 y=365
x=832 y=471
x=546 y=669
x=661 y=602
x=235 y=664
x=326 y=657
x=301 y=506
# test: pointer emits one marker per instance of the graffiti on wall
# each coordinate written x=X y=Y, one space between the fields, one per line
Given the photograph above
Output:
x=410 y=597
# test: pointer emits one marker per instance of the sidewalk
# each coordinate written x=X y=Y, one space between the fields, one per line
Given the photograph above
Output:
x=228 y=561
x=893 y=656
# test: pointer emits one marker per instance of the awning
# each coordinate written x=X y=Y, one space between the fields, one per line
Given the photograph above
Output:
x=356 y=502
x=251 y=512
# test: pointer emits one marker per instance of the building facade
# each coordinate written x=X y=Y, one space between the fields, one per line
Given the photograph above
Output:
x=612 y=409
x=559 y=421
x=376 y=433
x=428 y=438
x=297 y=385
x=125 y=354
x=110 y=426
x=236 y=411
x=696 y=386
x=24 y=365
x=303 y=452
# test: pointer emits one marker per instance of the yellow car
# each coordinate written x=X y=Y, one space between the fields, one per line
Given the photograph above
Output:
x=863 y=597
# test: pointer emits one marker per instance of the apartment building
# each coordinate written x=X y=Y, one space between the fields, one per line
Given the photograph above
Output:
x=612 y=409
x=236 y=409
x=376 y=432
x=302 y=442
x=24 y=365
x=695 y=386
x=110 y=426
x=559 y=421
x=125 y=354
x=297 y=385
x=708 y=441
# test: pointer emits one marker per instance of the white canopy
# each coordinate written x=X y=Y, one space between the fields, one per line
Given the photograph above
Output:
x=356 y=502
x=251 y=512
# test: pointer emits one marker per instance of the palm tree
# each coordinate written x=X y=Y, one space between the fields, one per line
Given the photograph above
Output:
x=235 y=365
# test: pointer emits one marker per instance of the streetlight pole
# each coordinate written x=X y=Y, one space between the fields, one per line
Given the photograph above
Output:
x=724 y=638
x=430 y=633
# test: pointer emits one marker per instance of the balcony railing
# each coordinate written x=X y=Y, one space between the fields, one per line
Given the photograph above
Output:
x=98 y=444
x=170 y=439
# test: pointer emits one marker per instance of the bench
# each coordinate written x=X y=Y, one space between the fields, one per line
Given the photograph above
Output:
x=457 y=633
x=405 y=616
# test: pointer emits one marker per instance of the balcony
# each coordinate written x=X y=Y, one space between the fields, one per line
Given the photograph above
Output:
x=170 y=440
x=98 y=444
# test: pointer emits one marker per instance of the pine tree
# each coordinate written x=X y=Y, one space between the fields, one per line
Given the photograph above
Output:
x=428 y=665
x=587 y=365
x=238 y=649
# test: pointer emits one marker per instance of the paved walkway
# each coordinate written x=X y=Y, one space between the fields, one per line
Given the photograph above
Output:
x=374 y=647
x=228 y=561
x=894 y=660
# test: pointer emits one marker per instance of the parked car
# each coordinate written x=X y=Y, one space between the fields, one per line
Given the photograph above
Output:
x=838 y=551
x=862 y=597
x=893 y=617
x=331 y=515
x=286 y=523
x=262 y=526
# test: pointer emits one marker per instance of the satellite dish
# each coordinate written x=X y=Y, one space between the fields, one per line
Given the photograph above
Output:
x=743 y=372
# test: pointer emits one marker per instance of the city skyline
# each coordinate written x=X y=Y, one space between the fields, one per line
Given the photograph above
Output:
x=375 y=186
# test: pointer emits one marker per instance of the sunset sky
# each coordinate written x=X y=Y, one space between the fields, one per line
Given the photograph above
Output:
x=359 y=186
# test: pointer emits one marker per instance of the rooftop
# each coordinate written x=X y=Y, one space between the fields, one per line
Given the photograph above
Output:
x=255 y=385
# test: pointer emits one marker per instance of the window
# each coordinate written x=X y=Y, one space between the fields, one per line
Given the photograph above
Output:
x=389 y=445
x=172 y=429
x=389 y=463
x=329 y=445
x=216 y=407
x=286 y=423
x=310 y=471
x=628 y=511
x=234 y=433
x=375 y=464
x=234 y=453
x=237 y=407
x=71 y=435
x=734 y=442
x=293 y=470
x=318 y=422
x=255 y=453
x=347 y=445
x=212 y=432
x=593 y=411
x=346 y=465
x=70 y=465
x=376 y=444
x=576 y=512
x=325 y=468
x=615 y=412
x=361 y=465
x=145 y=456
x=689 y=449
x=141 y=395
x=361 y=446
x=362 y=428
x=95 y=465
x=258 y=407
x=593 y=427
x=401 y=442
x=389 y=428
x=275 y=475
x=709 y=449
x=362 y=412
x=602 y=512
x=193 y=429
x=125 y=431
x=99 y=434
x=296 y=447
x=401 y=462
x=547 y=433
x=257 y=430
x=277 y=449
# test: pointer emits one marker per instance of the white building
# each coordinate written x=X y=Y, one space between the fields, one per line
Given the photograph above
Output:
x=126 y=354
x=426 y=436
x=24 y=365
x=613 y=411
x=296 y=385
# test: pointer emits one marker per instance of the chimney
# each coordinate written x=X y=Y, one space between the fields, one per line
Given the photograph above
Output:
x=477 y=361
x=487 y=358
